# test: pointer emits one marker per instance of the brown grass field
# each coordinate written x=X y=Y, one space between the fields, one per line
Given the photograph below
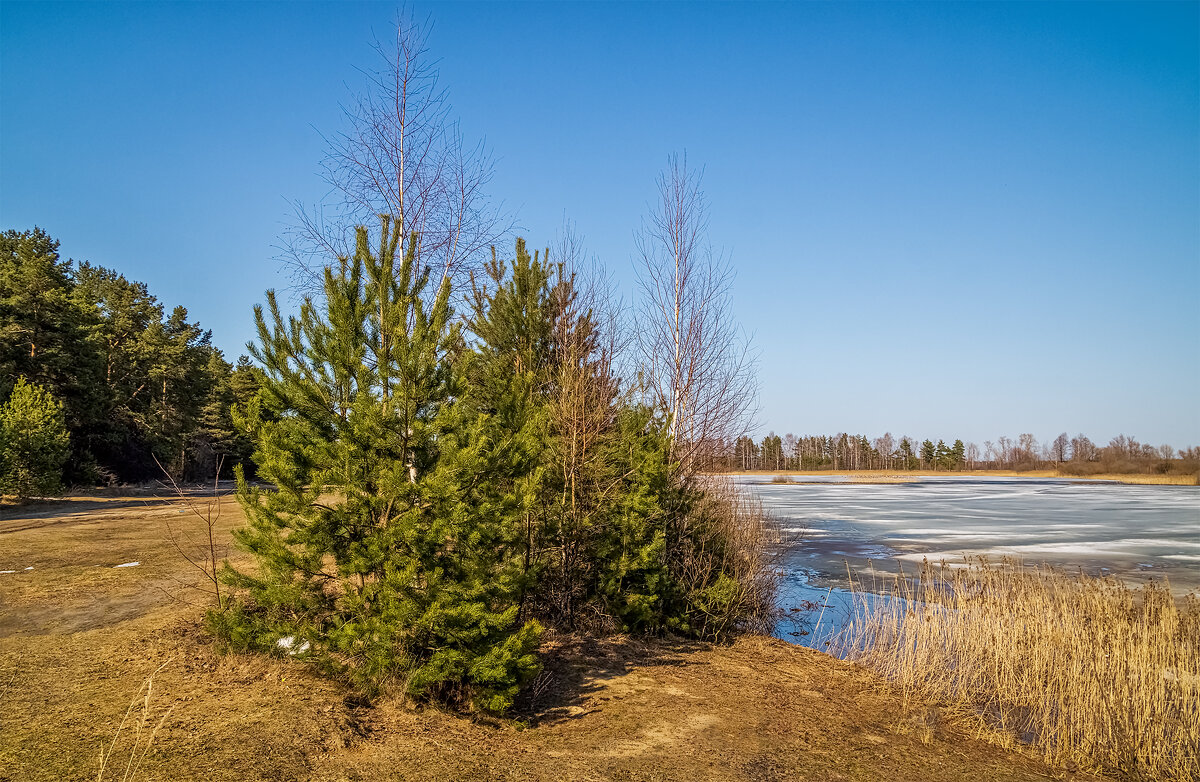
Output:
x=79 y=639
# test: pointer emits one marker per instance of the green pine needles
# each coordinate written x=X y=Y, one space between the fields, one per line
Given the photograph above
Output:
x=432 y=495
x=385 y=551
x=34 y=442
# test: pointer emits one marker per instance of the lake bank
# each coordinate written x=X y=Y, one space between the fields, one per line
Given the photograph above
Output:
x=904 y=476
x=79 y=636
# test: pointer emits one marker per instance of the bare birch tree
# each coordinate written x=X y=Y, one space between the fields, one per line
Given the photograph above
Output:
x=405 y=156
x=886 y=446
x=696 y=364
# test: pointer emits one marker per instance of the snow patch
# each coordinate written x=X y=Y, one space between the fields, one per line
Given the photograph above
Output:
x=289 y=645
x=128 y=564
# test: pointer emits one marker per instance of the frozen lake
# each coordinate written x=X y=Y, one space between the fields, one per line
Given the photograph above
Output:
x=1131 y=532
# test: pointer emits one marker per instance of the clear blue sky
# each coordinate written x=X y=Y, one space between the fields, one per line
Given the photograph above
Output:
x=948 y=220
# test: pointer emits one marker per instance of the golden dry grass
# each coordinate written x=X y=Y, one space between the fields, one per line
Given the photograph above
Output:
x=1089 y=672
x=1145 y=480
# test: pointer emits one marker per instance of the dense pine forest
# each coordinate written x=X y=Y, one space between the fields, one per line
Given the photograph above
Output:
x=93 y=362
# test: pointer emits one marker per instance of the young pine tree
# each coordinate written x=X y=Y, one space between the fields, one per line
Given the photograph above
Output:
x=34 y=443
x=595 y=537
x=390 y=548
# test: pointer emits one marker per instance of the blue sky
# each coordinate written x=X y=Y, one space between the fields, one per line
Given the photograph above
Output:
x=948 y=220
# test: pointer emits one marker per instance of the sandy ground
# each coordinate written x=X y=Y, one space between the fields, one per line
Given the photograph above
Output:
x=79 y=636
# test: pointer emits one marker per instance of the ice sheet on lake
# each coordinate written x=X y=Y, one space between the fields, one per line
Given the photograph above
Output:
x=1126 y=529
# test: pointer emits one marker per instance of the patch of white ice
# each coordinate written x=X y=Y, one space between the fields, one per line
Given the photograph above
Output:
x=3 y=572
x=128 y=564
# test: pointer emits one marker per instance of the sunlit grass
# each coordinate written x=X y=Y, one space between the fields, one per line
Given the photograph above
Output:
x=1148 y=479
x=1089 y=672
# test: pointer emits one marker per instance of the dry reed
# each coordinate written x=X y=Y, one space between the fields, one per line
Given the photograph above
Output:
x=732 y=534
x=142 y=736
x=1089 y=672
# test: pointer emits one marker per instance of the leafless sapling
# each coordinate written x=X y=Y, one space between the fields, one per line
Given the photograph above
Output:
x=697 y=365
x=402 y=155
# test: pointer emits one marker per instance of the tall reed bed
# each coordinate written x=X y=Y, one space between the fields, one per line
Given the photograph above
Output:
x=1088 y=671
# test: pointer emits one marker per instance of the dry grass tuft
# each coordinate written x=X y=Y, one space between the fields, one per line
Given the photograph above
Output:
x=142 y=734
x=1090 y=672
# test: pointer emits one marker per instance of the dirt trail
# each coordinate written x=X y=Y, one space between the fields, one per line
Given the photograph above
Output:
x=77 y=641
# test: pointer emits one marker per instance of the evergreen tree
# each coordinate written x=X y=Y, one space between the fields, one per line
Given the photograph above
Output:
x=245 y=384
x=44 y=335
x=513 y=320
x=928 y=453
x=941 y=455
x=634 y=536
x=390 y=547
x=608 y=528
x=215 y=440
x=772 y=452
x=34 y=443
x=39 y=327
x=178 y=385
x=746 y=453
x=958 y=454
x=123 y=314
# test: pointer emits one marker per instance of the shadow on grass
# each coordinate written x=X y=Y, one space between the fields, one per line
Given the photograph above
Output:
x=576 y=668
x=22 y=515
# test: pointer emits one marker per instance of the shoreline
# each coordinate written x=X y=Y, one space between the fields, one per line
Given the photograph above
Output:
x=911 y=476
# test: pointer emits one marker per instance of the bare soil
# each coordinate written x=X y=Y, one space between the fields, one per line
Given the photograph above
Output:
x=78 y=637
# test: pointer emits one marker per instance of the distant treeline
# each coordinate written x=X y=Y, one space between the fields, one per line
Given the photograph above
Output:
x=1076 y=455
x=134 y=385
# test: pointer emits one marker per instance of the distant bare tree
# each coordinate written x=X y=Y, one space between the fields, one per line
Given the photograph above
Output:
x=1004 y=450
x=697 y=366
x=1083 y=449
x=791 y=448
x=885 y=445
x=1028 y=446
x=972 y=455
x=989 y=451
x=403 y=155
x=1060 y=447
